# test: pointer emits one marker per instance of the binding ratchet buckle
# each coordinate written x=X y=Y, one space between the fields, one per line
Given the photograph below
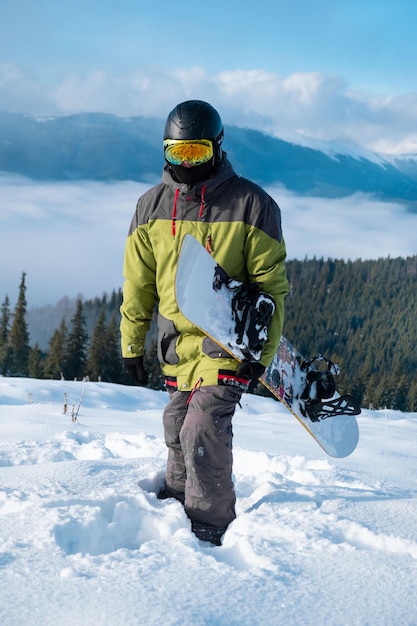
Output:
x=316 y=399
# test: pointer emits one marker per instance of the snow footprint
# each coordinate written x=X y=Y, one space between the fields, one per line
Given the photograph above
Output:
x=114 y=524
x=12 y=501
x=362 y=538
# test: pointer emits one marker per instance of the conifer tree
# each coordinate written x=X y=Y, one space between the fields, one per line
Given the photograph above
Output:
x=4 y=336
x=104 y=360
x=18 y=340
x=76 y=360
x=97 y=350
x=35 y=364
x=412 y=402
x=54 y=366
x=113 y=371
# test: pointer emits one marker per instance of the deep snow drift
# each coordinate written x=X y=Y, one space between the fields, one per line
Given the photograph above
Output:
x=83 y=538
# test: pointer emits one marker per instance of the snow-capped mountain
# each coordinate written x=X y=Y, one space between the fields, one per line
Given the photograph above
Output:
x=103 y=147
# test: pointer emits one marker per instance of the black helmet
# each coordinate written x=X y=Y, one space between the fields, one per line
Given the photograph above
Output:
x=194 y=119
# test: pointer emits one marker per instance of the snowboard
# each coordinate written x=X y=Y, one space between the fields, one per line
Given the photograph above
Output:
x=206 y=296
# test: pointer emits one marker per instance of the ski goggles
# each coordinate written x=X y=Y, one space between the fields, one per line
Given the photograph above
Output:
x=191 y=151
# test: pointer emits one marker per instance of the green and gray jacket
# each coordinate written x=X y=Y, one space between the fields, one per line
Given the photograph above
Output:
x=241 y=225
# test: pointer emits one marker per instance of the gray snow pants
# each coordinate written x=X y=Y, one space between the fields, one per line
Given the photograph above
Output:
x=198 y=433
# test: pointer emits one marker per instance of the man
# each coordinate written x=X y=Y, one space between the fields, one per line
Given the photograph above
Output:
x=240 y=225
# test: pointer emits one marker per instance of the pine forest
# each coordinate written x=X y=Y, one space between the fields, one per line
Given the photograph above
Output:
x=360 y=314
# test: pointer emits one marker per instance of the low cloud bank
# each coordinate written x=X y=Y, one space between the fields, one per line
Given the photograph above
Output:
x=69 y=237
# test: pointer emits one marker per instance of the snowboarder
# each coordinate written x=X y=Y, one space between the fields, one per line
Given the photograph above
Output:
x=240 y=223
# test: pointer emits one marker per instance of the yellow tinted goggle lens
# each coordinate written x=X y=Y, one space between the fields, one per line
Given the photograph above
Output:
x=193 y=152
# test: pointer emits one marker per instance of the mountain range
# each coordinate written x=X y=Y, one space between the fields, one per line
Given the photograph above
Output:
x=104 y=147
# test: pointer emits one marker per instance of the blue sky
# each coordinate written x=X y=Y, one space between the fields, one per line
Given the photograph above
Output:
x=330 y=69
x=371 y=43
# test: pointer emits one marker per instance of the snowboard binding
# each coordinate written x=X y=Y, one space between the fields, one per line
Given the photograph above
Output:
x=316 y=399
x=252 y=310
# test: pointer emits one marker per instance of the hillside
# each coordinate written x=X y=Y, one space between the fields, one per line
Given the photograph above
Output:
x=88 y=542
x=360 y=314
x=106 y=147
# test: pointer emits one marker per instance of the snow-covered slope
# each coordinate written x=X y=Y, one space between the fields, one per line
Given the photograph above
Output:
x=83 y=538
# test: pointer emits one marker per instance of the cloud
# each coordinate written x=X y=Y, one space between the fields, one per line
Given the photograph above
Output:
x=22 y=92
x=69 y=237
x=312 y=104
x=354 y=227
x=138 y=93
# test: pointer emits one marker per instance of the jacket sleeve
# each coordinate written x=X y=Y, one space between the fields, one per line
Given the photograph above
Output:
x=265 y=259
x=139 y=292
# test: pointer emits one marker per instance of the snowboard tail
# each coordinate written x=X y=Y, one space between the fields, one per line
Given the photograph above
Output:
x=236 y=316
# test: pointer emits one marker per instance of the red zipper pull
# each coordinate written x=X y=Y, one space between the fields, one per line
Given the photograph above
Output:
x=209 y=246
x=194 y=389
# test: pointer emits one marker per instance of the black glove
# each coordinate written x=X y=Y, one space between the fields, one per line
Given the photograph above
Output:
x=250 y=370
x=135 y=369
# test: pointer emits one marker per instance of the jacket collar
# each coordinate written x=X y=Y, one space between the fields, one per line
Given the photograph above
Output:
x=221 y=173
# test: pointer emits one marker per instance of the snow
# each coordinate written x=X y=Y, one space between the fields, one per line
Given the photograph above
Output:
x=333 y=148
x=83 y=538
